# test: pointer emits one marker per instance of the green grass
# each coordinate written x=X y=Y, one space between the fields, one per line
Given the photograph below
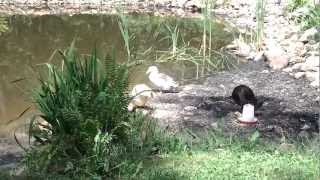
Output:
x=235 y=164
x=236 y=160
x=312 y=16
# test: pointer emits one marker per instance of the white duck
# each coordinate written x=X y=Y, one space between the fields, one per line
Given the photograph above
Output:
x=162 y=81
x=141 y=93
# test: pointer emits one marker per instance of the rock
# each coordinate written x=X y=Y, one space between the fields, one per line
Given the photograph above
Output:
x=299 y=75
x=288 y=69
x=298 y=47
x=308 y=35
x=178 y=3
x=278 y=62
x=276 y=56
x=313 y=53
x=240 y=48
x=220 y=2
x=193 y=4
x=315 y=83
x=214 y=125
x=260 y=56
x=295 y=60
x=315 y=47
x=294 y=37
x=313 y=61
x=297 y=66
x=305 y=127
x=303 y=52
x=190 y=108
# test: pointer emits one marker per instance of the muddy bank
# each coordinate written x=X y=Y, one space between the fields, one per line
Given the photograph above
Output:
x=35 y=7
x=291 y=108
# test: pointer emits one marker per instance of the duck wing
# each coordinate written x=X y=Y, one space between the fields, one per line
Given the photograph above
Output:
x=169 y=80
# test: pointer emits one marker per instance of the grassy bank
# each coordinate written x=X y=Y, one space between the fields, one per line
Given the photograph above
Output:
x=212 y=157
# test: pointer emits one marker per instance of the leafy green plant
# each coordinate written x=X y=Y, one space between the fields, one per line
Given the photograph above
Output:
x=295 y=4
x=83 y=109
x=312 y=19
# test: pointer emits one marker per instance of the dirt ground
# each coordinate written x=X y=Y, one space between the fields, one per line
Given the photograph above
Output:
x=291 y=108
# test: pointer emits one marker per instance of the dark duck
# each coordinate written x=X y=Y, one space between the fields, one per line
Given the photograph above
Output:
x=242 y=95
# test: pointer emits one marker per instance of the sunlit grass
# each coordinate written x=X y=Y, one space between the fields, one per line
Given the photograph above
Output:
x=237 y=160
x=233 y=164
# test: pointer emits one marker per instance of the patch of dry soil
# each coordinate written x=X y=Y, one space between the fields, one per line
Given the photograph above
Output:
x=291 y=108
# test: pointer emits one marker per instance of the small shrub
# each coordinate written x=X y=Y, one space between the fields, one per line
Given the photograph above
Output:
x=295 y=4
x=312 y=19
x=83 y=109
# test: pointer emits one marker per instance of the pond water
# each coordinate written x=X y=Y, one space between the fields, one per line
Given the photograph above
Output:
x=29 y=41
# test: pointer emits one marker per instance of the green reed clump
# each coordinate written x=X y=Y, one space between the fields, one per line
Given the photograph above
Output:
x=124 y=29
x=260 y=12
x=83 y=107
x=3 y=25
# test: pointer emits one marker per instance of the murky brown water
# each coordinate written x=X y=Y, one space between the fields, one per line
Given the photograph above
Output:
x=30 y=41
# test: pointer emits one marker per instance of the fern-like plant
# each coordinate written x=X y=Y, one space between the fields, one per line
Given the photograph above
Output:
x=79 y=102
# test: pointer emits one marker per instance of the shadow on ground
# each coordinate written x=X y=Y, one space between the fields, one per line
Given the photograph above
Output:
x=291 y=108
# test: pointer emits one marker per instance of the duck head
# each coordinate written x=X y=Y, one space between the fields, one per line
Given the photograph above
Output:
x=152 y=69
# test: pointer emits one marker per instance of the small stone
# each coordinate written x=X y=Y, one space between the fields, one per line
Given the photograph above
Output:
x=297 y=66
x=299 y=75
x=288 y=69
x=294 y=38
x=214 y=125
x=315 y=83
x=186 y=118
x=190 y=108
x=312 y=76
x=303 y=52
x=308 y=35
x=278 y=62
x=276 y=57
x=294 y=60
x=305 y=127
x=313 y=61
x=260 y=56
